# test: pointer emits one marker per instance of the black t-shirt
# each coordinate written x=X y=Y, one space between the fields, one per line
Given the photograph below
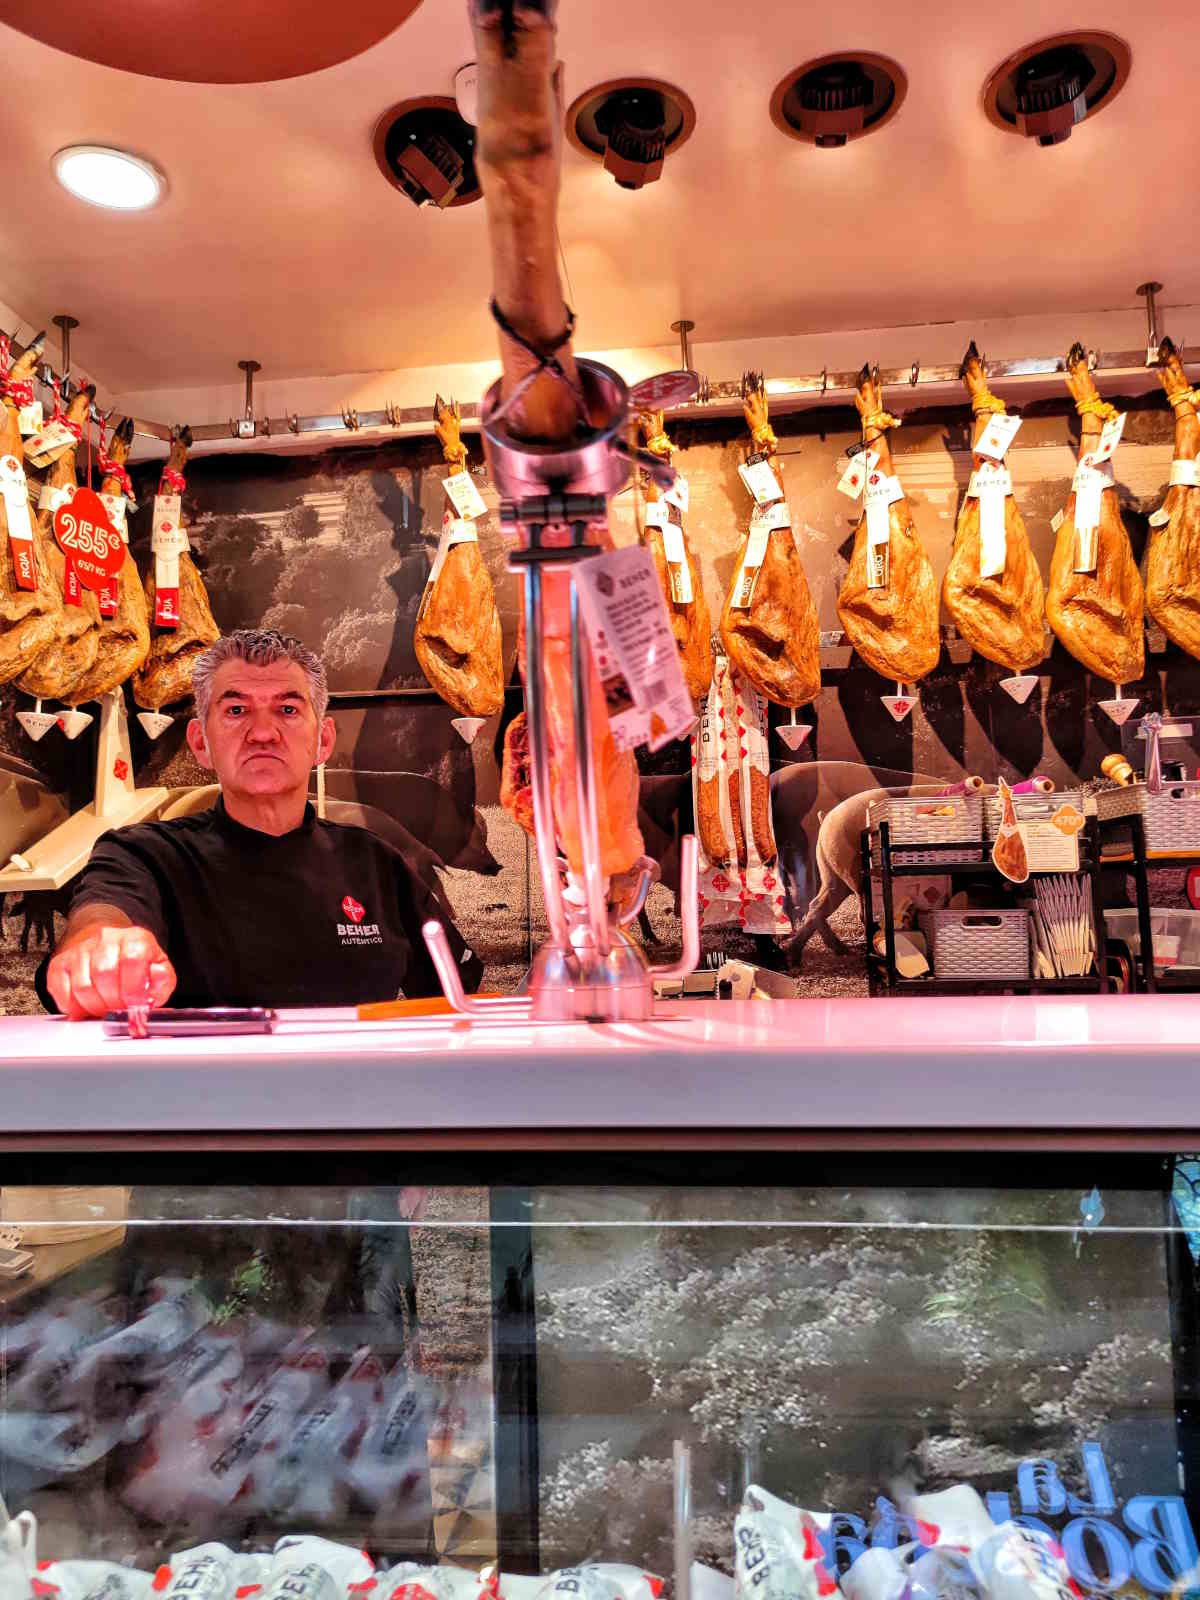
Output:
x=325 y=915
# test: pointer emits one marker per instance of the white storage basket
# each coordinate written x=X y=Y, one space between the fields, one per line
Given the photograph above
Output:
x=1171 y=819
x=1048 y=848
x=979 y=945
x=915 y=820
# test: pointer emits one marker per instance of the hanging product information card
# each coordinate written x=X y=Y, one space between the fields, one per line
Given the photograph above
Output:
x=633 y=648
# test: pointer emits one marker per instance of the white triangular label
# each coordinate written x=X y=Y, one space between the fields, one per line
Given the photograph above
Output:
x=794 y=734
x=155 y=723
x=1020 y=687
x=900 y=705
x=1119 y=710
x=37 y=724
x=467 y=727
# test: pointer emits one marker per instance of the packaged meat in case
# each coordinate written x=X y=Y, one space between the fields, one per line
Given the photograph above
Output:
x=731 y=790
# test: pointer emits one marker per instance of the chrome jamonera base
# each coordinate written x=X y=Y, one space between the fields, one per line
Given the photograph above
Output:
x=590 y=970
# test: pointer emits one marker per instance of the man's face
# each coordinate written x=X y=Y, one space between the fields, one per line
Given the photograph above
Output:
x=261 y=736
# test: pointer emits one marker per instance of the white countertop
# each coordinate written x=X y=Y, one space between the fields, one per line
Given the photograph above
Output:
x=1029 y=1063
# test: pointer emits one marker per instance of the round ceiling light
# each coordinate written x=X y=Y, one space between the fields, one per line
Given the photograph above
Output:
x=631 y=125
x=1044 y=90
x=425 y=149
x=111 y=178
x=838 y=97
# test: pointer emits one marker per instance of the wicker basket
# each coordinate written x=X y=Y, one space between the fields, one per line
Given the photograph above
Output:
x=61 y=1215
x=1047 y=847
x=1171 y=819
x=979 y=945
x=914 y=820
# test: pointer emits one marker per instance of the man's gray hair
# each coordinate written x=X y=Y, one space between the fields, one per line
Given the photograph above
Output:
x=260 y=647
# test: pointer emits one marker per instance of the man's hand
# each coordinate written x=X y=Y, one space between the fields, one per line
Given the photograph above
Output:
x=103 y=967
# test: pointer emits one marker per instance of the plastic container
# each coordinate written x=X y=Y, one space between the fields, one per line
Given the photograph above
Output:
x=928 y=819
x=1175 y=934
x=1171 y=819
x=992 y=946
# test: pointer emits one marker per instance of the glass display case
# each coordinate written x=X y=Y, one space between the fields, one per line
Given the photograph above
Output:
x=626 y=1358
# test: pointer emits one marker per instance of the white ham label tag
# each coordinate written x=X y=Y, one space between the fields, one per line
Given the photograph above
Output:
x=168 y=541
x=677 y=494
x=107 y=598
x=997 y=436
x=854 y=478
x=777 y=516
x=455 y=530
x=464 y=496
x=29 y=418
x=51 y=496
x=1110 y=438
x=746 y=576
x=1159 y=518
x=20 y=525
x=989 y=479
x=658 y=513
x=677 y=564
x=882 y=490
x=761 y=481
x=48 y=443
x=633 y=648
x=1057 y=520
x=1089 y=485
x=1185 y=474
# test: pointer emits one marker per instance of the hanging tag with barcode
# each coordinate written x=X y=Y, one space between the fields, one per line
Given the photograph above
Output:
x=20 y=525
x=629 y=630
x=991 y=484
x=464 y=496
x=1110 y=438
x=854 y=478
x=1184 y=474
x=762 y=483
x=168 y=541
x=997 y=436
x=677 y=494
x=882 y=491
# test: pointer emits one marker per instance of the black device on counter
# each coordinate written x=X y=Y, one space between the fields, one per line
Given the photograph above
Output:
x=191 y=1021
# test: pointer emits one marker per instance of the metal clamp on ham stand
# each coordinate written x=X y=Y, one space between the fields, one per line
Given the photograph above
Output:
x=589 y=969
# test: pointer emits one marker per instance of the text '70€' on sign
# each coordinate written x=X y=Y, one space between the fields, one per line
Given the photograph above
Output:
x=88 y=539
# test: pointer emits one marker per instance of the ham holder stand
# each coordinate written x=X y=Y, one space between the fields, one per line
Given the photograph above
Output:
x=116 y=803
x=589 y=969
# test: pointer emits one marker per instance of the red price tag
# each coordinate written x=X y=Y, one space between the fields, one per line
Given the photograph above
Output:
x=88 y=540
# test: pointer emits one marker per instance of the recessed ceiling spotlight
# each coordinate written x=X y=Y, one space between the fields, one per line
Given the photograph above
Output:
x=838 y=97
x=631 y=125
x=111 y=178
x=1045 y=90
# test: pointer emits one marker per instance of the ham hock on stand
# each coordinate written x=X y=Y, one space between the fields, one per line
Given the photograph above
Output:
x=555 y=435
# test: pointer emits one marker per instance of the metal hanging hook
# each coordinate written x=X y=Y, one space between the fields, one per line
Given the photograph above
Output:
x=683 y=327
x=244 y=427
x=1147 y=291
x=64 y=324
x=915 y=373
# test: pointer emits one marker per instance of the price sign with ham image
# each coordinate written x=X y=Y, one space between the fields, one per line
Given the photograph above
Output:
x=92 y=546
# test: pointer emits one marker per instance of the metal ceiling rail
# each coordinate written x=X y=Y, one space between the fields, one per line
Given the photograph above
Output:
x=714 y=400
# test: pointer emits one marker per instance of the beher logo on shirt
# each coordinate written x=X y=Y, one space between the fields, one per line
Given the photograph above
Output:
x=356 y=931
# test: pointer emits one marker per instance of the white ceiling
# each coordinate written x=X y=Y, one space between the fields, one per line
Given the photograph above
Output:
x=280 y=239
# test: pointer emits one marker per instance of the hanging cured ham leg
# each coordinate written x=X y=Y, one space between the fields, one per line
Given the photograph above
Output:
x=1094 y=601
x=889 y=600
x=30 y=600
x=518 y=155
x=72 y=654
x=993 y=588
x=457 y=636
x=678 y=574
x=125 y=636
x=769 y=625
x=1173 y=559
x=167 y=674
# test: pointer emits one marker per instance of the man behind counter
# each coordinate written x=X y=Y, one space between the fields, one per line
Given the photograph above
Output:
x=255 y=902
